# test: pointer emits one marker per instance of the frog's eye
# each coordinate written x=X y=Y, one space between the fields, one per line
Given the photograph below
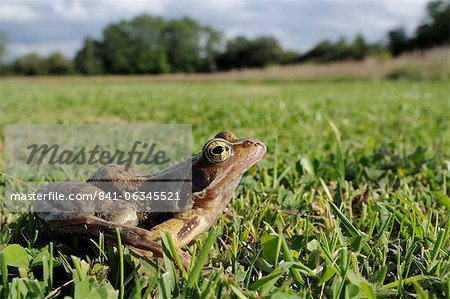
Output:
x=217 y=151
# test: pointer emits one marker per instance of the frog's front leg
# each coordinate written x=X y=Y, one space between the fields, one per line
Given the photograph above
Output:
x=184 y=227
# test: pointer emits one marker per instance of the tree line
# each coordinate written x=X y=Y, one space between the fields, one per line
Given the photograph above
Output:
x=154 y=45
x=432 y=32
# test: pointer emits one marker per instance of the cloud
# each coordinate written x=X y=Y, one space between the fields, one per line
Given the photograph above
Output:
x=17 y=12
x=44 y=26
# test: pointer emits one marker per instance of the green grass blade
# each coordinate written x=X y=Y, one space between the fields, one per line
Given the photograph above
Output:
x=194 y=274
x=347 y=223
x=168 y=244
x=121 y=265
x=78 y=270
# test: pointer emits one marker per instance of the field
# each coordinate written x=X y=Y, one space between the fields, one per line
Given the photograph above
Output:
x=351 y=199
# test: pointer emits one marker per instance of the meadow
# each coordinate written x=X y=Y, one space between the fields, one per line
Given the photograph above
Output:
x=350 y=201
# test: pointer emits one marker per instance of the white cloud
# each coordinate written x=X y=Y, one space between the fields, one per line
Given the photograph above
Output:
x=136 y=7
x=17 y=12
x=73 y=10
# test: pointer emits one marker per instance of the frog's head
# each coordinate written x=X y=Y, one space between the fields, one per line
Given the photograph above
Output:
x=217 y=170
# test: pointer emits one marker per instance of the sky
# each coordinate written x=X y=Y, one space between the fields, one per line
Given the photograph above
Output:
x=60 y=25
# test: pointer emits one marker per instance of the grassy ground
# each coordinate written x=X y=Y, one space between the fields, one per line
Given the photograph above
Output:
x=351 y=199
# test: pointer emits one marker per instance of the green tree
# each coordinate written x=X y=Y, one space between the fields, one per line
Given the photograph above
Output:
x=2 y=46
x=30 y=65
x=4 y=69
x=182 y=44
x=398 y=41
x=118 y=49
x=241 y=52
x=148 y=54
x=341 y=50
x=435 y=30
x=211 y=44
x=360 y=48
x=191 y=46
x=150 y=44
x=89 y=60
x=135 y=46
x=320 y=52
x=264 y=50
x=58 y=64
x=236 y=53
x=289 y=57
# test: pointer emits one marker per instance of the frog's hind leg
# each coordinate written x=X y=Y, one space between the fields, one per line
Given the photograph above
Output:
x=140 y=240
x=89 y=225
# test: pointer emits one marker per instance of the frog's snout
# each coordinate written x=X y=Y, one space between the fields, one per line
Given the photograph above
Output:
x=259 y=148
x=262 y=146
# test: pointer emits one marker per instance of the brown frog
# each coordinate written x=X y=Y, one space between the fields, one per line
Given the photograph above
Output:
x=216 y=172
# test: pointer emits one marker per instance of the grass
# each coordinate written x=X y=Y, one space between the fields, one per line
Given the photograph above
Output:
x=350 y=201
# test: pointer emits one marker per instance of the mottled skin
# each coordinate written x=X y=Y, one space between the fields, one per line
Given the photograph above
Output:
x=213 y=185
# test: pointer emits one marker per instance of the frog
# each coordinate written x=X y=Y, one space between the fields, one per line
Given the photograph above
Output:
x=216 y=173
